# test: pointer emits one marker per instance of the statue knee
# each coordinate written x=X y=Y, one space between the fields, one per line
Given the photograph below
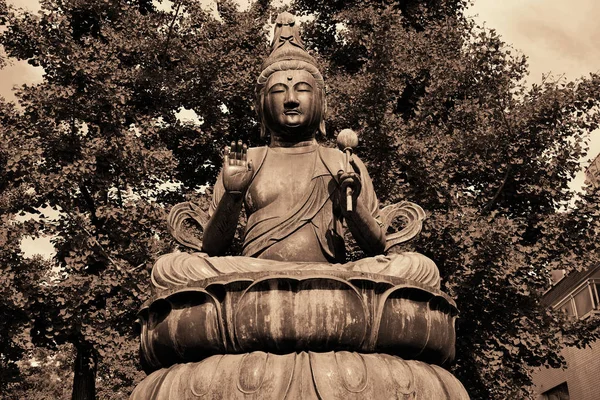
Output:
x=414 y=266
x=408 y=265
x=177 y=269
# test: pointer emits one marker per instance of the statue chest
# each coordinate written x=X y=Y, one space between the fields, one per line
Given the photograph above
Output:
x=282 y=181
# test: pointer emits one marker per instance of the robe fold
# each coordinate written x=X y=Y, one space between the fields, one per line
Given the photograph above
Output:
x=268 y=226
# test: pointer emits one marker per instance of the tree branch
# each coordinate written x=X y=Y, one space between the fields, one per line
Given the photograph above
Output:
x=492 y=201
x=170 y=32
x=490 y=204
x=89 y=201
x=102 y=249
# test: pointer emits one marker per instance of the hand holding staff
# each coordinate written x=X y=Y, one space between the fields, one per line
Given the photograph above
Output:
x=347 y=140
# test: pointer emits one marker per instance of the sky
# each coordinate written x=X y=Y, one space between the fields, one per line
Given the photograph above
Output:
x=559 y=37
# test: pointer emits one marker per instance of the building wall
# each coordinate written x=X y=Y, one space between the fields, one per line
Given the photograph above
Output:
x=592 y=173
x=582 y=374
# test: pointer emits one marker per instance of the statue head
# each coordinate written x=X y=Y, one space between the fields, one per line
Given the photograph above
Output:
x=290 y=90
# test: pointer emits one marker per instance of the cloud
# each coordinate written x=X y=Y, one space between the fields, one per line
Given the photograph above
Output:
x=557 y=36
x=31 y=5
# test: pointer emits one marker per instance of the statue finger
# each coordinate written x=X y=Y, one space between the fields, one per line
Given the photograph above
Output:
x=346 y=180
x=233 y=155
x=354 y=165
x=249 y=165
x=244 y=154
x=352 y=180
x=226 y=155
x=240 y=149
x=346 y=175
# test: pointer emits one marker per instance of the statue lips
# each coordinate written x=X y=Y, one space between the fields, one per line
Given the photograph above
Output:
x=293 y=118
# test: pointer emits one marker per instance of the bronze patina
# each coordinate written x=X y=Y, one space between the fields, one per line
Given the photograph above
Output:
x=289 y=318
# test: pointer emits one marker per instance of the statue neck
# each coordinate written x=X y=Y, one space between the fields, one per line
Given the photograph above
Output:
x=279 y=142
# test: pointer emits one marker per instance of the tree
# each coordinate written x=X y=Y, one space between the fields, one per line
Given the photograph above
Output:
x=443 y=111
x=444 y=117
x=99 y=144
x=44 y=375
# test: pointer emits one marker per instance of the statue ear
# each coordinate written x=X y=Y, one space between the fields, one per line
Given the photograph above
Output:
x=323 y=114
x=261 y=115
x=263 y=129
x=322 y=127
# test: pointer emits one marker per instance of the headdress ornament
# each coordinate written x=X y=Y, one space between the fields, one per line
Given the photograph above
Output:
x=288 y=51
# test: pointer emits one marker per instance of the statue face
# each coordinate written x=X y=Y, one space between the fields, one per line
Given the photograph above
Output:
x=291 y=104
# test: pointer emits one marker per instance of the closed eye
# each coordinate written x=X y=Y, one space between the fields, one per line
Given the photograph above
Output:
x=303 y=87
x=279 y=88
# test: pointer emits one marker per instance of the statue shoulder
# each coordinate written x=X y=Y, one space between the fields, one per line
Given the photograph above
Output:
x=257 y=151
x=257 y=155
x=331 y=153
x=335 y=159
x=331 y=156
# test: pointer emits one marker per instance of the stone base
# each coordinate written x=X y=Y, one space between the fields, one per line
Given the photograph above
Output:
x=333 y=375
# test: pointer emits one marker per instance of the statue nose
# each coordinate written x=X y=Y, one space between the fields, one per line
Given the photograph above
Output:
x=291 y=104
x=287 y=32
x=290 y=100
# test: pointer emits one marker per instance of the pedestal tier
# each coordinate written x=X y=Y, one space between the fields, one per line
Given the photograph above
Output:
x=298 y=311
x=306 y=376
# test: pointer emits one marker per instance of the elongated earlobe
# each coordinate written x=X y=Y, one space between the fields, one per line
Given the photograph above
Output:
x=323 y=114
x=322 y=127
x=259 y=110
x=263 y=129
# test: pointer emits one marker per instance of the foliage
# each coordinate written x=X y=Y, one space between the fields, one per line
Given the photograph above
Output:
x=444 y=118
x=98 y=145
x=442 y=108
x=45 y=375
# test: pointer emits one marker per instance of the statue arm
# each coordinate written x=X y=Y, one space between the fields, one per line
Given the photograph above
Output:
x=228 y=195
x=224 y=214
x=366 y=230
x=364 y=222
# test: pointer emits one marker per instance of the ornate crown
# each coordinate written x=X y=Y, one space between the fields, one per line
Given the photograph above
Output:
x=288 y=52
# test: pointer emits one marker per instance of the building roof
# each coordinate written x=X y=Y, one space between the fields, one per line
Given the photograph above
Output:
x=567 y=284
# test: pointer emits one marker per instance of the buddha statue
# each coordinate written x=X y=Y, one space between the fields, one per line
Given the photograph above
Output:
x=293 y=190
x=289 y=318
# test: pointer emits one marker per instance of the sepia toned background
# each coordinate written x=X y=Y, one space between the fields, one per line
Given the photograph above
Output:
x=559 y=38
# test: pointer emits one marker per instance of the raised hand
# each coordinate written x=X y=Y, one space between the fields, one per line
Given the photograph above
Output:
x=237 y=171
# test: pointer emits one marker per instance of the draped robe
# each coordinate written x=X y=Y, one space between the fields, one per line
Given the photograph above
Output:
x=293 y=225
